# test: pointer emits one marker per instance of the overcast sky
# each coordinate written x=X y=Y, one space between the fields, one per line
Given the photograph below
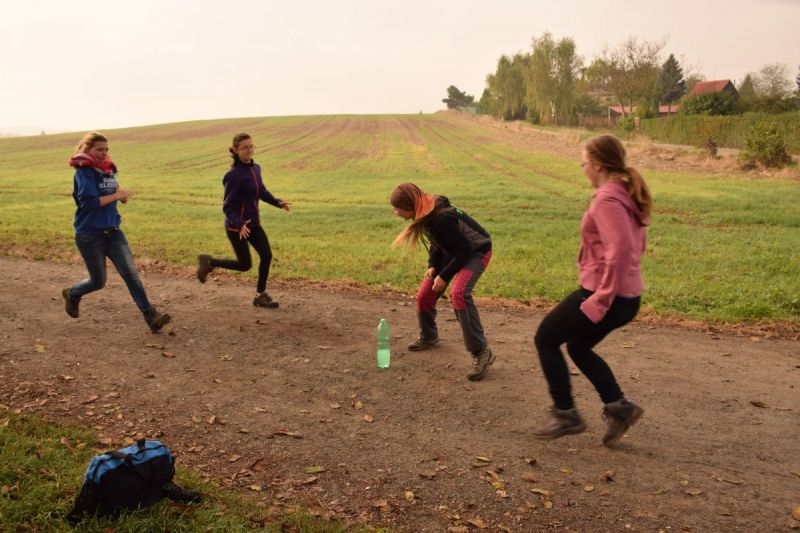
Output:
x=80 y=65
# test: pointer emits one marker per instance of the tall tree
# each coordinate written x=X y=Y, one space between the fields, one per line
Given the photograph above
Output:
x=773 y=81
x=457 y=99
x=628 y=72
x=551 y=79
x=797 y=82
x=747 y=88
x=671 y=85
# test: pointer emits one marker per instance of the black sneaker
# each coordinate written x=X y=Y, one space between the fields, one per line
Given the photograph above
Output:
x=560 y=422
x=70 y=303
x=203 y=267
x=423 y=344
x=480 y=364
x=264 y=300
x=180 y=495
x=157 y=320
x=620 y=415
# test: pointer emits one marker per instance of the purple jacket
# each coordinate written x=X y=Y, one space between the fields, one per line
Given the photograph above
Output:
x=613 y=237
x=243 y=189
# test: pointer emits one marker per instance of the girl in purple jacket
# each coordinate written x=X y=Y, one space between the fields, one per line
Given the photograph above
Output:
x=613 y=235
x=243 y=189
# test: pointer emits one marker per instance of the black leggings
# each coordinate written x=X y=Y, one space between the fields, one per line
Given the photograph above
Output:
x=258 y=240
x=566 y=323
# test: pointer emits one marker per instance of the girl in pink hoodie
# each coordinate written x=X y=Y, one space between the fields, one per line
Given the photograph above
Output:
x=613 y=235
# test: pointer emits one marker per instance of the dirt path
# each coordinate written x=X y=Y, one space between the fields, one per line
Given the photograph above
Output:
x=717 y=449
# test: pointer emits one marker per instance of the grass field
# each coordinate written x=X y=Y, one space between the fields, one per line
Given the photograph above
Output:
x=721 y=248
x=41 y=471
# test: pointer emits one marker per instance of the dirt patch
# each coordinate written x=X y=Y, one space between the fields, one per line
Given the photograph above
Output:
x=254 y=397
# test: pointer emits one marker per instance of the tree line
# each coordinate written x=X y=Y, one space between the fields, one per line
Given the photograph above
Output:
x=552 y=84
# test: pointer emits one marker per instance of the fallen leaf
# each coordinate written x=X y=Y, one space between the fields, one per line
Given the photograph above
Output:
x=67 y=377
x=287 y=433
x=608 y=476
x=693 y=492
x=256 y=488
x=428 y=474
x=383 y=505
x=684 y=483
x=588 y=488
x=168 y=354
x=65 y=442
x=150 y=375
x=409 y=496
x=758 y=403
x=335 y=405
x=564 y=470
x=368 y=418
x=314 y=469
x=259 y=465
x=90 y=399
x=358 y=405
x=309 y=480
x=483 y=459
x=234 y=458
x=530 y=478
x=548 y=504
x=212 y=419
x=796 y=513
x=478 y=522
x=541 y=491
x=530 y=460
x=40 y=347
x=796 y=472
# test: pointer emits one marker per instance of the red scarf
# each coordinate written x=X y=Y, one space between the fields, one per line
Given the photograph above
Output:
x=85 y=160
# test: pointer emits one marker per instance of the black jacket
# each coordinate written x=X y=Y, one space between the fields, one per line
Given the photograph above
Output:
x=454 y=237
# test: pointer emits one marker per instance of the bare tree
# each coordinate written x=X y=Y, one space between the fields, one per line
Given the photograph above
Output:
x=629 y=72
x=773 y=81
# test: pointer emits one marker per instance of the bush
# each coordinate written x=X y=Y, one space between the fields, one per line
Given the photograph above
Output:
x=626 y=124
x=764 y=146
x=721 y=103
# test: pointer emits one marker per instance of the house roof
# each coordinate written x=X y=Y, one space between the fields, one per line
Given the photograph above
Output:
x=715 y=86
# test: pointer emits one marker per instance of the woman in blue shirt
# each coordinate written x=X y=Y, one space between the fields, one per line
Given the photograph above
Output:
x=97 y=233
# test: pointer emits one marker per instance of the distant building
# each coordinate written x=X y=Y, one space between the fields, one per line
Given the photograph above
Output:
x=716 y=86
x=616 y=111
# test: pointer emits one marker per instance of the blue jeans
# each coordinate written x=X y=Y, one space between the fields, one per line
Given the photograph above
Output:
x=94 y=248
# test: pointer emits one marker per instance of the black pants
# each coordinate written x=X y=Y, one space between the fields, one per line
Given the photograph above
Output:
x=258 y=240
x=566 y=323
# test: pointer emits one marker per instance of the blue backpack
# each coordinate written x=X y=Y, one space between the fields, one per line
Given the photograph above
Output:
x=127 y=479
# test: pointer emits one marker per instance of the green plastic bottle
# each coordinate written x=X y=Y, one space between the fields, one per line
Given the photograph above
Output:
x=384 y=353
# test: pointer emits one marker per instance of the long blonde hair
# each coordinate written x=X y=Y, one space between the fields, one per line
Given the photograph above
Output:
x=608 y=152
x=89 y=140
x=409 y=197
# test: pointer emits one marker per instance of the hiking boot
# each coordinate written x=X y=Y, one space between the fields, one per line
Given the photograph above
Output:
x=203 y=267
x=560 y=422
x=620 y=416
x=70 y=303
x=157 y=320
x=423 y=344
x=480 y=364
x=264 y=300
x=179 y=494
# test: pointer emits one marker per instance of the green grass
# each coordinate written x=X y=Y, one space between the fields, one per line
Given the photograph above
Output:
x=40 y=477
x=721 y=248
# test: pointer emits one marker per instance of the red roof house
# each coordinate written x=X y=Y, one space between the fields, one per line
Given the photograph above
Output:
x=716 y=86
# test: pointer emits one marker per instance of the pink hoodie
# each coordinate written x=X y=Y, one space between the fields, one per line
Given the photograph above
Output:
x=613 y=236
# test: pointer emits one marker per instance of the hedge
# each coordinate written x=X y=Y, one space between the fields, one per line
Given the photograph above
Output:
x=729 y=131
